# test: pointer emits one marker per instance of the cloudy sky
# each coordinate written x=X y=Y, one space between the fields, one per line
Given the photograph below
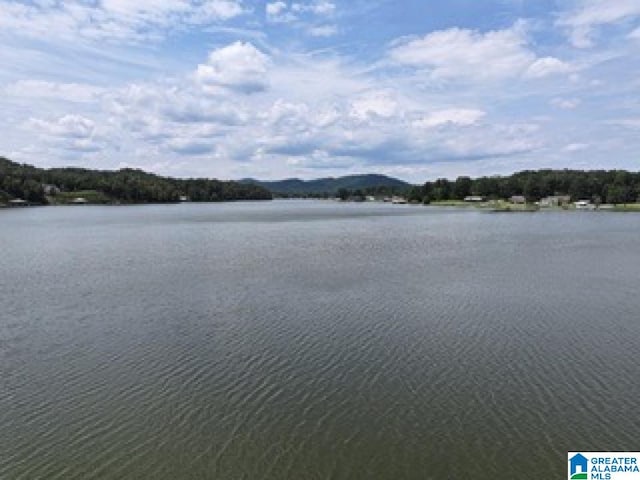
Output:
x=417 y=89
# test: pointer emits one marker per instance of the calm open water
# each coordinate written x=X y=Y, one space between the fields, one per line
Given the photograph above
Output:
x=314 y=340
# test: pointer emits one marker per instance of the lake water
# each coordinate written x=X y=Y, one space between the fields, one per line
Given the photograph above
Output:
x=314 y=340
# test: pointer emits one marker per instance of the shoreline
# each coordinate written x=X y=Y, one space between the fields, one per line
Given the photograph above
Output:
x=449 y=204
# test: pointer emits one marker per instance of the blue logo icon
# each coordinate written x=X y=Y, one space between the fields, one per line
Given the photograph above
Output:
x=578 y=468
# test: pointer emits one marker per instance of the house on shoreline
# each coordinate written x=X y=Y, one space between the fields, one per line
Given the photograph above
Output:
x=50 y=189
x=555 y=201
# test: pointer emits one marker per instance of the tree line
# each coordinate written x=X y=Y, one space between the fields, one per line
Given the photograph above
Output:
x=610 y=186
x=127 y=185
x=136 y=186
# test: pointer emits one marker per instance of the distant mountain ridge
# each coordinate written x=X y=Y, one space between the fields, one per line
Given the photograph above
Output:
x=329 y=185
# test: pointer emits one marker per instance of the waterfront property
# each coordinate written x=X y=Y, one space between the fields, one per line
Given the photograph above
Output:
x=50 y=189
x=555 y=201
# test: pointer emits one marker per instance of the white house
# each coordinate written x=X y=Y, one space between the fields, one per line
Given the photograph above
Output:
x=555 y=201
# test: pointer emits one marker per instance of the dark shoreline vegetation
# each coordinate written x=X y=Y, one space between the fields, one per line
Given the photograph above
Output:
x=130 y=186
x=54 y=186
x=598 y=186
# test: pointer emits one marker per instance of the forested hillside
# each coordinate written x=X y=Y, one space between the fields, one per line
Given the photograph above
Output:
x=41 y=186
x=610 y=186
x=371 y=184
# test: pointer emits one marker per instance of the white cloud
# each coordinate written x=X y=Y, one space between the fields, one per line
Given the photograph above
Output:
x=176 y=119
x=130 y=9
x=278 y=12
x=216 y=10
x=319 y=112
x=283 y=112
x=71 y=133
x=69 y=92
x=374 y=104
x=635 y=34
x=565 y=103
x=112 y=20
x=633 y=123
x=546 y=66
x=576 y=147
x=507 y=140
x=318 y=8
x=281 y=12
x=70 y=126
x=189 y=109
x=422 y=101
x=323 y=31
x=470 y=55
x=275 y=8
x=321 y=159
x=582 y=21
x=239 y=66
x=452 y=116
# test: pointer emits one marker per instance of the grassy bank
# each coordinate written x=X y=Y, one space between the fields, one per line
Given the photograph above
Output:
x=627 y=207
x=453 y=203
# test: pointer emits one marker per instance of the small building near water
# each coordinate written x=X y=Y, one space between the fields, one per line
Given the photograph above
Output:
x=18 y=202
x=474 y=198
x=555 y=201
x=50 y=189
x=79 y=201
x=518 y=199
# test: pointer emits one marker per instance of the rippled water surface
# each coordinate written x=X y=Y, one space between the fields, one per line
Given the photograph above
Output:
x=314 y=340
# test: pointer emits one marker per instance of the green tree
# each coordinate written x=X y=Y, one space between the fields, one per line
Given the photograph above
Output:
x=462 y=188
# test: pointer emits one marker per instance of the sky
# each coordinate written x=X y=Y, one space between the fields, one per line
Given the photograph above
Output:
x=416 y=89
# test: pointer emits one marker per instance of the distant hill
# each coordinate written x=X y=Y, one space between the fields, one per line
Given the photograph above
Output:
x=330 y=185
x=63 y=185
